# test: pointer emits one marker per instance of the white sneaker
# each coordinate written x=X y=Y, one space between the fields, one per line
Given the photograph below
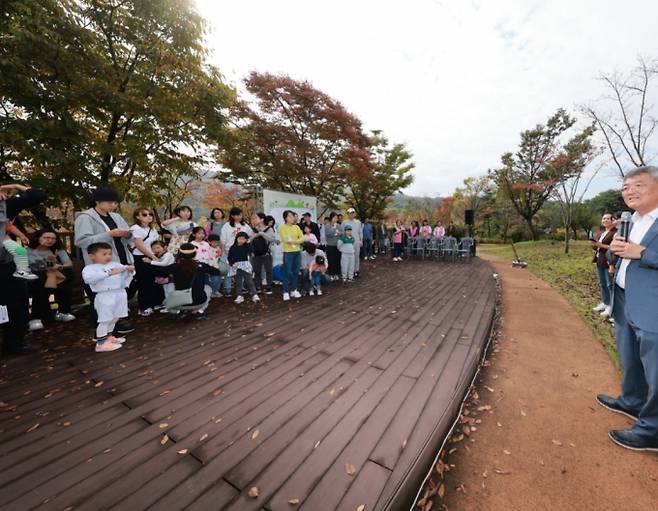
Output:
x=255 y=298
x=107 y=345
x=35 y=324
x=64 y=317
x=319 y=292
x=286 y=297
x=27 y=275
x=239 y=299
x=311 y=292
x=164 y=310
x=116 y=340
x=600 y=307
x=295 y=294
x=216 y=295
x=146 y=312
x=607 y=312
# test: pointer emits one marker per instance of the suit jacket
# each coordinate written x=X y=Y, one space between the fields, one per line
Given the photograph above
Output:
x=642 y=284
x=600 y=255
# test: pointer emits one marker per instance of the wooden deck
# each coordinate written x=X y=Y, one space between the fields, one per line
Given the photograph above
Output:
x=327 y=403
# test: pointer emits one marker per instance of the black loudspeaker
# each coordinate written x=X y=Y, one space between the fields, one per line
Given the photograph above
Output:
x=469 y=216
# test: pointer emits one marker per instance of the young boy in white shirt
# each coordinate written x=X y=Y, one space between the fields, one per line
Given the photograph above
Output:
x=108 y=279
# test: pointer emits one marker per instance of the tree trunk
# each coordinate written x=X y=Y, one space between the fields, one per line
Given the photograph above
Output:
x=531 y=226
x=566 y=240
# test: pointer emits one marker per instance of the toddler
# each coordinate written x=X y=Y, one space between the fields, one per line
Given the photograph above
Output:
x=165 y=258
x=18 y=253
x=316 y=268
x=346 y=249
x=108 y=279
x=309 y=236
x=238 y=259
x=214 y=281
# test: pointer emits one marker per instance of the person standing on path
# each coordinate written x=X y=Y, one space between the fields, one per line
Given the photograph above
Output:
x=347 y=247
x=332 y=231
x=292 y=239
x=634 y=311
x=368 y=233
x=357 y=234
x=600 y=244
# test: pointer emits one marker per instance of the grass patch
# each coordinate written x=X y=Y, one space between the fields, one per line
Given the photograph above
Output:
x=572 y=275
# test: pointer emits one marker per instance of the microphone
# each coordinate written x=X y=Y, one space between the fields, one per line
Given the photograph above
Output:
x=625 y=225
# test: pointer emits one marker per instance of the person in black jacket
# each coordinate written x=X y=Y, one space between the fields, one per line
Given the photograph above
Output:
x=188 y=273
x=238 y=259
x=13 y=291
x=306 y=220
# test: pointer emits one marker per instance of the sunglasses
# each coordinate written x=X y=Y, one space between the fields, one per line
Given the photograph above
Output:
x=146 y=214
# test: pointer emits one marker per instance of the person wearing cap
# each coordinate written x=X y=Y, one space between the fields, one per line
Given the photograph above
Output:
x=347 y=248
x=307 y=219
x=357 y=234
x=100 y=224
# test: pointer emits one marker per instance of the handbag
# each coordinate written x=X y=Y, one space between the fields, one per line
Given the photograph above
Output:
x=179 y=298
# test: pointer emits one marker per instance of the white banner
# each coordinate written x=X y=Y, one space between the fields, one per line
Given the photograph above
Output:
x=275 y=203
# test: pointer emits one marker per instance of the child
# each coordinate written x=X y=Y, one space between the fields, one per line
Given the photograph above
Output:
x=397 y=240
x=309 y=236
x=18 y=253
x=316 y=269
x=215 y=281
x=108 y=280
x=238 y=259
x=204 y=252
x=165 y=258
x=346 y=249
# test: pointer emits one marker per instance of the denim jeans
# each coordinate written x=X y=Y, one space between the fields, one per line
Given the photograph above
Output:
x=291 y=264
x=367 y=247
x=605 y=282
x=316 y=279
x=215 y=282
x=397 y=249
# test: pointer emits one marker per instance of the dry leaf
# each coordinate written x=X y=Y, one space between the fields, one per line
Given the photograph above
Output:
x=182 y=451
x=350 y=469
x=253 y=492
x=203 y=437
x=361 y=507
x=33 y=427
x=164 y=392
x=293 y=502
x=255 y=434
x=332 y=392
x=163 y=425
x=164 y=440
x=67 y=424
x=442 y=491
x=523 y=413
x=556 y=442
x=316 y=444
x=502 y=472
x=506 y=452
x=404 y=443
x=99 y=384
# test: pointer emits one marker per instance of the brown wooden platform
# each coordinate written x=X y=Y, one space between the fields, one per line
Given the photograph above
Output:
x=281 y=397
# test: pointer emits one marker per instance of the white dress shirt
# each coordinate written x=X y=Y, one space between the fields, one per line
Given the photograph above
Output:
x=641 y=225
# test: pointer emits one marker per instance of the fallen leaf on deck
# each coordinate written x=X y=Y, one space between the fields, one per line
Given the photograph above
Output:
x=163 y=425
x=99 y=384
x=67 y=424
x=165 y=392
x=484 y=408
x=506 y=452
x=489 y=388
x=255 y=434
x=164 y=440
x=203 y=437
x=556 y=442
x=404 y=443
x=182 y=451
x=293 y=502
x=502 y=472
x=33 y=427
x=523 y=413
x=350 y=469
x=253 y=492
x=316 y=444
x=361 y=507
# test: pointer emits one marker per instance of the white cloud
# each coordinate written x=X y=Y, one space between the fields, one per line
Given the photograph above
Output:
x=456 y=80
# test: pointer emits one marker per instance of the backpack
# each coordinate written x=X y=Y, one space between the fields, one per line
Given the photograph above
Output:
x=260 y=246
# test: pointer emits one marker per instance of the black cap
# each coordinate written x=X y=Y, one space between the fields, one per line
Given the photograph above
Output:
x=307 y=214
x=105 y=193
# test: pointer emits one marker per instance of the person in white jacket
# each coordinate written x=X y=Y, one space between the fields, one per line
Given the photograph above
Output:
x=230 y=230
x=108 y=280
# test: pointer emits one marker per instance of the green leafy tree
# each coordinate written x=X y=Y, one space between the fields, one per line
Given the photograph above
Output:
x=370 y=189
x=98 y=91
x=528 y=177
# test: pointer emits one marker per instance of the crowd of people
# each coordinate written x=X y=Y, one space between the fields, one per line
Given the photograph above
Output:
x=178 y=266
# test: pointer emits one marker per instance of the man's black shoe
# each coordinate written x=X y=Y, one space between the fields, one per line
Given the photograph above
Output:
x=24 y=349
x=124 y=327
x=613 y=405
x=629 y=440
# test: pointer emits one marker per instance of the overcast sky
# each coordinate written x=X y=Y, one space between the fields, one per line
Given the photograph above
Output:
x=455 y=80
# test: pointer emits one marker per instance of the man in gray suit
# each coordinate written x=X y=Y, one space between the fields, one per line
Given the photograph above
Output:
x=635 y=310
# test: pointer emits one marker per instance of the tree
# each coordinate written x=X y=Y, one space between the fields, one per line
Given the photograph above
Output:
x=226 y=196
x=370 y=190
x=98 y=91
x=626 y=122
x=608 y=201
x=572 y=184
x=295 y=138
x=528 y=177
x=471 y=195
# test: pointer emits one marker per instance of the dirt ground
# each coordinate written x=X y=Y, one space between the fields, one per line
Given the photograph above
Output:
x=544 y=444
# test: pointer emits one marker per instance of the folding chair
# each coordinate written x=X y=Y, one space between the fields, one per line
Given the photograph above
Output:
x=465 y=249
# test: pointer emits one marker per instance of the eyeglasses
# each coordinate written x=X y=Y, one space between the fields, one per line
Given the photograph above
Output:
x=635 y=186
x=146 y=214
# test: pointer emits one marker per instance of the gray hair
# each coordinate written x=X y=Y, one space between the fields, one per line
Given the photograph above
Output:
x=648 y=169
